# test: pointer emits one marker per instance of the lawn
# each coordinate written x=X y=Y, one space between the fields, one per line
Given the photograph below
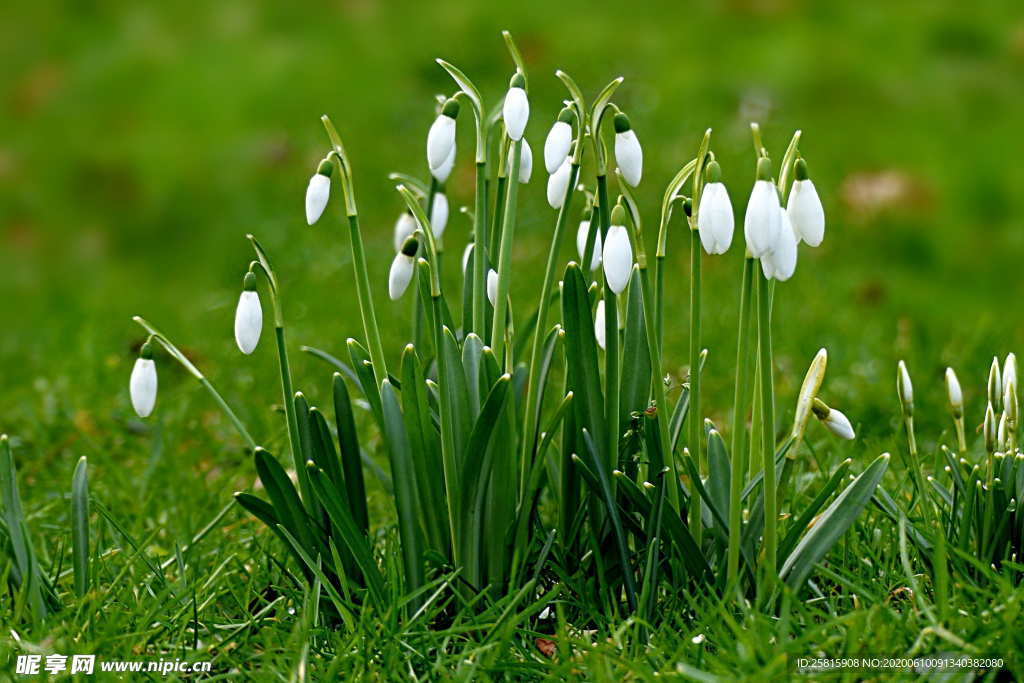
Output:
x=144 y=142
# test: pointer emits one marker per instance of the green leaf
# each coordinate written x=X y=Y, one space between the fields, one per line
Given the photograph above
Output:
x=24 y=555
x=364 y=371
x=808 y=513
x=832 y=524
x=264 y=511
x=283 y=497
x=80 y=526
x=351 y=459
x=581 y=356
x=472 y=347
x=331 y=360
x=635 y=387
x=719 y=471
x=465 y=85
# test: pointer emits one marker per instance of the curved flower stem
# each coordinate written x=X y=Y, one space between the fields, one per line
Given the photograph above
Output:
x=531 y=416
x=764 y=335
x=736 y=450
x=695 y=422
x=177 y=355
x=480 y=252
x=611 y=322
x=508 y=225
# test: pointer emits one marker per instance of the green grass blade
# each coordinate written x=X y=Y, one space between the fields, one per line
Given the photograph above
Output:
x=283 y=497
x=808 y=514
x=351 y=459
x=581 y=356
x=80 y=526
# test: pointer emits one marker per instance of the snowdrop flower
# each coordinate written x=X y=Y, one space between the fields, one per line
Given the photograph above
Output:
x=599 y=324
x=990 y=430
x=516 y=110
x=492 y=286
x=904 y=388
x=956 y=396
x=558 y=184
x=248 y=316
x=318 y=192
x=762 y=222
x=995 y=385
x=805 y=208
x=444 y=170
x=402 y=269
x=404 y=227
x=780 y=262
x=441 y=138
x=581 y=244
x=142 y=385
x=618 y=253
x=559 y=140
x=714 y=218
x=628 y=154
x=1010 y=369
x=439 y=214
x=833 y=420
x=525 y=163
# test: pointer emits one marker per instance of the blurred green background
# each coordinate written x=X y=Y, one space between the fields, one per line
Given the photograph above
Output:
x=141 y=141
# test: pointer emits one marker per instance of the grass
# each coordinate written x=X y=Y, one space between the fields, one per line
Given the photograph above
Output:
x=99 y=226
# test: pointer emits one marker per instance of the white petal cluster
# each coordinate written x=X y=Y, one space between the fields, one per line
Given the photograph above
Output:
x=780 y=262
x=400 y=275
x=492 y=287
x=582 y=234
x=438 y=214
x=317 y=193
x=558 y=184
x=599 y=331
x=248 y=321
x=440 y=141
x=142 y=386
x=516 y=112
x=404 y=227
x=904 y=387
x=762 y=222
x=617 y=257
x=442 y=172
x=838 y=424
x=715 y=221
x=629 y=157
x=806 y=212
x=557 y=145
x=953 y=390
x=525 y=163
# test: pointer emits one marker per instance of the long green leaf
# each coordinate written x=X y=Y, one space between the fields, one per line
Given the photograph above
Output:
x=636 y=360
x=283 y=497
x=80 y=526
x=351 y=459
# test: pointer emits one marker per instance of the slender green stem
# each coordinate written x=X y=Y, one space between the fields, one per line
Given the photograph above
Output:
x=500 y=192
x=695 y=422
x=659 y=306
x=230 y=413
x=480 y=252
x=366 y=310
x=611 y=322
x=736 y=450
x=531 y=416
x=764 y=335
x=508 y=227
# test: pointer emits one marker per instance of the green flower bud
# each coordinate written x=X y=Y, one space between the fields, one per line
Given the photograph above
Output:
x=450 y=108
x=713 y=172
x=764 y=168
x=800 y=169
x=621 y=122
x=249 y=282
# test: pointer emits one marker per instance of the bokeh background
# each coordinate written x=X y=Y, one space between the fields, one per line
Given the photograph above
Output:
x=141 y=141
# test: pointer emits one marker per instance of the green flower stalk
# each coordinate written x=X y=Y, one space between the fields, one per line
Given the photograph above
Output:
x=956 y=408
x=738 y=441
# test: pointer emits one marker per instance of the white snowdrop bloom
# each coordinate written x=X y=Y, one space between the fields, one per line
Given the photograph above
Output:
x=466 y=253
x=762 y=222
x=990 y=429
x=1010 y=370
x=516 y=109
x=439 y=214
x=441 y=137
x=142 y=385
x=582 y=234
x=838 y=424
x=405 y=226
x=248 y=316
x=995 y=385
x=318 y=192
x=628 y=154
x=599 y=324
x=956 y=395
x=525 y=163
x=618 y=253
x=402 y=268
x=780 y=262
x=492 y=286
x=715 y=221
x=559 y=141
x=904 y=387
x=805 y=208
x=558 y=184
x=444 y=170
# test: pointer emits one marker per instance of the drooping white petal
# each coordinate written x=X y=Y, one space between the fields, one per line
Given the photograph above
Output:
x=142 y=386
x=762 y=222
x=629 y=156
x=599 y=324
x=492 y=286
x=516 y=112
x=904 y=387
x=525 y=163
x=618 y=258
x=1010 y=370
x=556 y=146
x=839 y=424
x=956 y=395
x=248 y=321
x=466 y=253
x=400 y=275
x=317 y=193
x=440 y=141
x=558 y=184
x=442 y=172
x=582 y=234
x=806 y=212
x=404 y=226
x=781 y=261
x=439 y=214
x=715 y=220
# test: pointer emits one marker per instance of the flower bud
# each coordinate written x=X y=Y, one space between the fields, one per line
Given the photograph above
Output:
x=318 y=192
x=441 y=137
x=990 y=429
x=834 y=420
x=402 y=268
x=956 y=396
x=142 y=385
x=582 y=234
x=715 y=221
x=559 y=141
x=525 y=163
x=905 y=389
x=995 y=386
x=762 y=222
x=248 y=316
x=599 y=324
x=516 y=109
x=1010 y=370
x=558 y=184
x=405 y=226
x=780 y=262
x=805 y=208
x=618 y=253
x=492 y=287
x=439 y=214
x=628 y=154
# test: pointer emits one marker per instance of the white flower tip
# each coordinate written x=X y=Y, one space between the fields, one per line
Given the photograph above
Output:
x=839 y=424
x=599 y=324
x=400 y=275
x=142 y=386
x=618 y=258
x=248 y=321
x=516 y=112
x=317 y=193
x=492 y=287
